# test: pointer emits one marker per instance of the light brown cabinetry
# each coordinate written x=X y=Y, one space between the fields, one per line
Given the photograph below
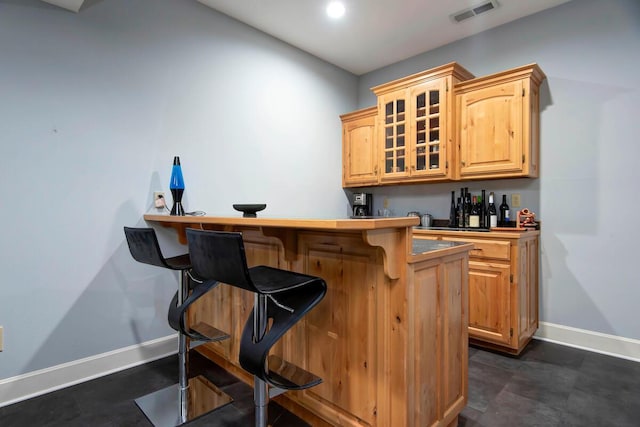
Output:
x=444 y=125
x=416 y=125
x=503 y=286
x=359 y=148
x=498 y=123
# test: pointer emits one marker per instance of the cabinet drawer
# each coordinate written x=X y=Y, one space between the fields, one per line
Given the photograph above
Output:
x=497 y=249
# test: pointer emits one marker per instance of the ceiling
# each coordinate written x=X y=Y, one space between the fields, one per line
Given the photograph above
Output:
x=372 y=33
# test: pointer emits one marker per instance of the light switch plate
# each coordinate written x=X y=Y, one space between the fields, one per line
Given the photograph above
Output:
x=515 y=200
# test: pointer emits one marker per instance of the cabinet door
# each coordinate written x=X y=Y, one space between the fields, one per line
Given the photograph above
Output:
x=527 y=288
x=429 y=129
x=359 y=150
x=394 y=128
x=489 y=302
x=491 y=131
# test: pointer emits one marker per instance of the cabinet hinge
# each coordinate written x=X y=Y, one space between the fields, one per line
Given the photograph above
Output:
x=511 y=332
x=511 y=278
x=446 y=164
x=447 y=87
x=522 y=91
x=523 y=159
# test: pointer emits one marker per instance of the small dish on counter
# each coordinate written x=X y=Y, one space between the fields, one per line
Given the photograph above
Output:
x=249 y=210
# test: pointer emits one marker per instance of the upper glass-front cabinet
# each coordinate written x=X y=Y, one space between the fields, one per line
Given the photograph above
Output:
x=414 y=132
x=415 y=123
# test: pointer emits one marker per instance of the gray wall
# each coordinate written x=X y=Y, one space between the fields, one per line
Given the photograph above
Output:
x=93 y=107
x=587 y=194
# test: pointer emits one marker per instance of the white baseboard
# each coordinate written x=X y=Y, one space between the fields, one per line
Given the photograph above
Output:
x=36 y=383
x=612 y=345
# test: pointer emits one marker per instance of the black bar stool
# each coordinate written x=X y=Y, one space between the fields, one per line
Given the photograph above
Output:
x=281 y=296
x=191 y=397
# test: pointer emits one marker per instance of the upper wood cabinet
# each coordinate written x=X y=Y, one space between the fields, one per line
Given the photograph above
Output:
x=359 y=148
x=444 y=125
x=415 y=125
x=498 y=122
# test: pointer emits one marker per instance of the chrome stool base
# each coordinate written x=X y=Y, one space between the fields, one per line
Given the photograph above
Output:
x=170 y=407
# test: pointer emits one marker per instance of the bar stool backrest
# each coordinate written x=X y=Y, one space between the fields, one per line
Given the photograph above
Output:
x=219 y=255
x=144 y=246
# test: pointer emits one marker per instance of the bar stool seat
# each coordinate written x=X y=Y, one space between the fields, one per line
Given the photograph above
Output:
x=178 y=404
x=282 y=298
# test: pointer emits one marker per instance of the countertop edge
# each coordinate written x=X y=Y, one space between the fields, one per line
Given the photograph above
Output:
x=306 y=223
x=457 y=233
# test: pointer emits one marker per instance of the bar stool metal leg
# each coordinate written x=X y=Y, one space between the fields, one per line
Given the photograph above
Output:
x=183 y=382
x=260 y=387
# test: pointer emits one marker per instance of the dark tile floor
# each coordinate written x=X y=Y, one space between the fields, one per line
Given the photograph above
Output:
x=551 y=385
x=548 y=385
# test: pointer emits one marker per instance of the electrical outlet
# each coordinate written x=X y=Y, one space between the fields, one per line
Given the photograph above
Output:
x=158 y=199
x=515 y=200
x=1 y=338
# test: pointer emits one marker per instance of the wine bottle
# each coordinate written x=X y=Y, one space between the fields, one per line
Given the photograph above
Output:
x=461 y=209
x=492 y=213
x=452 y=210
x=484 y=218
x=467 y=208
x=474 y=215
x=504 y=212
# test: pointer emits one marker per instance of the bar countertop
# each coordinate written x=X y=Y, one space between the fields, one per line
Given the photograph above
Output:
x=300 y=223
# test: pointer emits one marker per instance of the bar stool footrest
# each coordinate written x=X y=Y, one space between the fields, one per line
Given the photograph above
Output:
x=283 y=373
x=202 y=331
x=177 y=314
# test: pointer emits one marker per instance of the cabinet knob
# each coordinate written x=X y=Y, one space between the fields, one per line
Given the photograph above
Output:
x=463 y=163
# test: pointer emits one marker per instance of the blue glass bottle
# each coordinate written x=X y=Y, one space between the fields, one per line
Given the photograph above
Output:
x=177 y=187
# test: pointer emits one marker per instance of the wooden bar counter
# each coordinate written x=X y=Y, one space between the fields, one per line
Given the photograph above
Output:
x=390 y=337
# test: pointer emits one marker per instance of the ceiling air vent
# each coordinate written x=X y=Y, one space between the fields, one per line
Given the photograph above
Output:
x=474 y=10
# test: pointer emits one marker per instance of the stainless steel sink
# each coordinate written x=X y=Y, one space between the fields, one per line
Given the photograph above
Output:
x=421 y=246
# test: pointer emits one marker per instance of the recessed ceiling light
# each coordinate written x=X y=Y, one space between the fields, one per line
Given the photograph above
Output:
x=335 y=9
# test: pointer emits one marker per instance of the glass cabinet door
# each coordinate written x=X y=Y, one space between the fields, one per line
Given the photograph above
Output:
x=412 y=123
x=395 y=136
x=429 y=129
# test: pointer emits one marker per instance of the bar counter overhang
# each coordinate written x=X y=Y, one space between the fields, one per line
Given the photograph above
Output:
x=390 y=337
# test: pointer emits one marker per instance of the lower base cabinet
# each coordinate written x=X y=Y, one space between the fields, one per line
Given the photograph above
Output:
x=503 y=286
